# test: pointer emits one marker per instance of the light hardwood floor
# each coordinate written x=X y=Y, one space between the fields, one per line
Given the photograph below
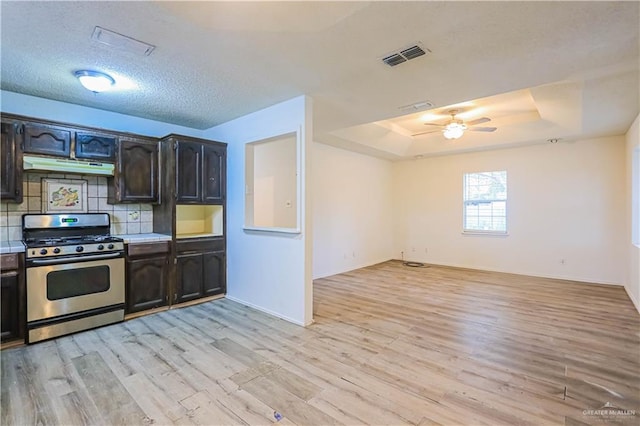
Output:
x=391 y=345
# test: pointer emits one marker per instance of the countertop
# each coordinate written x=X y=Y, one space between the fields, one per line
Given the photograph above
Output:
x=18 y=246
x=144 y=238
x=11 y=247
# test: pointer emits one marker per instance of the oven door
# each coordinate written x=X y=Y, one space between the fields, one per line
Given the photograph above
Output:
x=90 y=282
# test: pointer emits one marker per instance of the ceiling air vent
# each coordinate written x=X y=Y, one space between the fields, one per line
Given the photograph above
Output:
x=412 y=52
x=393 y=60
x=396 y=58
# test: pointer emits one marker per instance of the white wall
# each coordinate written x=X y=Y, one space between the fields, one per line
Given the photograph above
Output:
x=46 y=109
x=352 y=210
x=565 y=201
x=632 y=281
x=269 y=271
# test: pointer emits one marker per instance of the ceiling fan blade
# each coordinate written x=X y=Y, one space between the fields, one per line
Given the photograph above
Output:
x=477 y=121
x=433 y=124
x=483 y=129
x=424 y=133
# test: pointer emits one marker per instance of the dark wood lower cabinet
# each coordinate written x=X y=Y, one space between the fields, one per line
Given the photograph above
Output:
x=11 y=297
x=189 y=277
x=214 y=273
x=147 y=272
x=200 y=269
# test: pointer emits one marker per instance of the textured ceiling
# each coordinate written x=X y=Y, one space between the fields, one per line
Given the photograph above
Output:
x=215 y=61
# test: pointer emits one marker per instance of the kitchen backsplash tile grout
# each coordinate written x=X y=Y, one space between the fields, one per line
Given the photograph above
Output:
x=125 y=218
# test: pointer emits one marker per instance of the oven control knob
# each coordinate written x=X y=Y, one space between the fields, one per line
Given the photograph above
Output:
x=43 y=252
x=100 y=247
x=56 y=250
x=110 y=246
x=79 y=249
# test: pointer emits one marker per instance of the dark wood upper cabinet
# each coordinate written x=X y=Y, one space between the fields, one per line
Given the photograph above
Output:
x=11 y=167
x=93 y=146
x=214 y=163
x=48 y=140
x=200 y=168
x=188 y=172
x=136 y=178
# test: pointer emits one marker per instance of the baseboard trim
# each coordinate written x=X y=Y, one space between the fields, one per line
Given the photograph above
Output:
x=268 y=311
x=354 y=267
x=528 y=274
x=633 y=299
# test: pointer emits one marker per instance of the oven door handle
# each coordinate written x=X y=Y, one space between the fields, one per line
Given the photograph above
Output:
x=74 y=259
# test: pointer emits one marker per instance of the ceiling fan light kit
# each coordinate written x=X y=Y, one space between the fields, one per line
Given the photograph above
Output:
x=455 y=128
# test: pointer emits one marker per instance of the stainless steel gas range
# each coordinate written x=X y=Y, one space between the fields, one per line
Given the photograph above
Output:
x=74 y=273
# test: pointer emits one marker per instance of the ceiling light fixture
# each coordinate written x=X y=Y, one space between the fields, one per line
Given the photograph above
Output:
x=95 y=81
x=454 y=130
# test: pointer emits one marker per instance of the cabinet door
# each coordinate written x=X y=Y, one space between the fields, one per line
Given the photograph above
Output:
x=10 y=306
x=47 y=140
x=136 y=179
x=213 y=173
x=10 y=170
x=214 y=273
x=189 y=172
x=189 y=277
x=146 y=283
x=92 y=146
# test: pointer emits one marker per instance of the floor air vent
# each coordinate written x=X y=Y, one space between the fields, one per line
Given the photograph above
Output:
x=404 y=55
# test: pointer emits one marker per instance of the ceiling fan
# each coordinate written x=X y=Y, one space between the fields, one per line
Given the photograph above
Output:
x=455 y=128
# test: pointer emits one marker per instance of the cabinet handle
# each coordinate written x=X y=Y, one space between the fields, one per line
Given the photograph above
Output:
x=212 y=179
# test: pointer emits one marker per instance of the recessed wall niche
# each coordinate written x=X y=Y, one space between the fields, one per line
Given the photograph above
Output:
x=272 y=184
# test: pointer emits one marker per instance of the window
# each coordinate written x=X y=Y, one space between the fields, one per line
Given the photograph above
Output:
x=485 y=202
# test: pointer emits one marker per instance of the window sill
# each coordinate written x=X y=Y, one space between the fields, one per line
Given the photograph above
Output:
x=274 y=230
x=485 y=234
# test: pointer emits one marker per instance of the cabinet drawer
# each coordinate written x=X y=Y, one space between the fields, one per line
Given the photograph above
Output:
x=9 y=261
x=200 y=245
x=145 y=249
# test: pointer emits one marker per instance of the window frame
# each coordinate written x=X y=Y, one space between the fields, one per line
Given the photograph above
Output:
x=466 y=202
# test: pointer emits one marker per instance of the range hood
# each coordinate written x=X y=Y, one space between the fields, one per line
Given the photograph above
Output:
x=67 y=166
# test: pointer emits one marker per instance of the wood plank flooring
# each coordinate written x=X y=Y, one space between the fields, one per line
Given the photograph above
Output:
x=391 y=345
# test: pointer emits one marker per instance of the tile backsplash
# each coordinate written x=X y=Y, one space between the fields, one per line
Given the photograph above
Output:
x=125 y=218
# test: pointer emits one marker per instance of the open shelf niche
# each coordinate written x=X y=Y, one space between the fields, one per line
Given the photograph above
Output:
x=199 y=220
